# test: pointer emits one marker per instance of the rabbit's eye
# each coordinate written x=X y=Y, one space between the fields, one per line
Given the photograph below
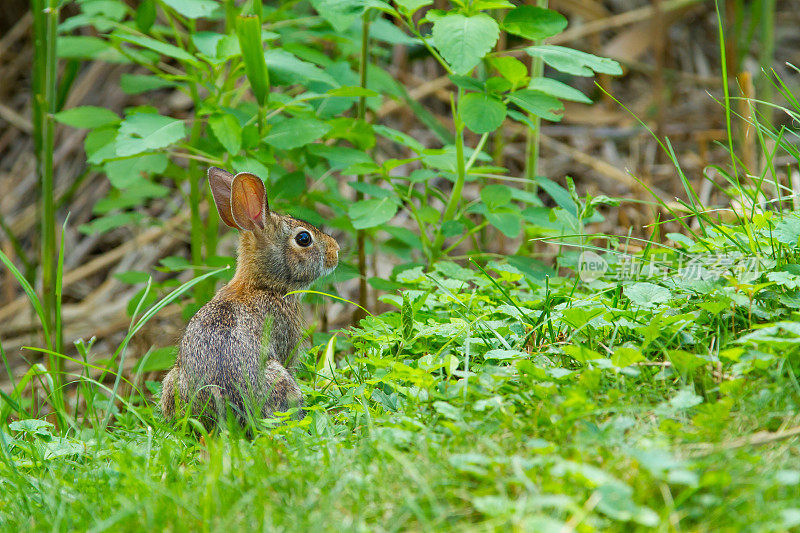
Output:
x=303 y=239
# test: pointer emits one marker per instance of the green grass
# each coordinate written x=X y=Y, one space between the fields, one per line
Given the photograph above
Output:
x=499 y=396
x=517 y=401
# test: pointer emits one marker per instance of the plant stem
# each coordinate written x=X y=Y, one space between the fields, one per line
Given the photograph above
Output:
x=362 y=113
x=532 y=144
x=461 y=175
x=767 y=52
x=45 y=16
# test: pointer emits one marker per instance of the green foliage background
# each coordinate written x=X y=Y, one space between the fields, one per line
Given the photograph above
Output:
x=498 y=392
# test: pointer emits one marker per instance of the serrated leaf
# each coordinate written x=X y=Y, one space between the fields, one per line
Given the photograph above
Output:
x=573 y=61
x=481 y=113
x=464 y=41
x=227 y=131
x=534 y=23
x=537 y=103
x=87 y=116
x=123 y=173
x=373 y=212
x=296 y=132
x=144 y=132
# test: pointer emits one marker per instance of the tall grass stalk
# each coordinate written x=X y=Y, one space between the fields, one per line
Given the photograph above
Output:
x=362 y=113
x=532 y=143
x=45 y=81
x=766 y=54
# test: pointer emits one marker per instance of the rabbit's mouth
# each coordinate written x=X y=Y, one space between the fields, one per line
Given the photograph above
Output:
x=326 y=269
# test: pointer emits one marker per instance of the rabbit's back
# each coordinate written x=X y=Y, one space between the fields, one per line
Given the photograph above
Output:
x=235 y=348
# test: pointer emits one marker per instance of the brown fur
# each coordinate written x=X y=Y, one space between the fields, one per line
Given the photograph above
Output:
x=238 y=350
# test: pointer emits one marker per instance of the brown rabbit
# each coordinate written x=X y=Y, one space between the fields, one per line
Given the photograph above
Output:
x=237 y=350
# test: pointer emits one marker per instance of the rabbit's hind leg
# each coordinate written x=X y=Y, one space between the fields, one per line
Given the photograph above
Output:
x=282 y=391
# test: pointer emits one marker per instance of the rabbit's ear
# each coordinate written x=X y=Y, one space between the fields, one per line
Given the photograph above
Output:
x=220 y=182
x=249 y=207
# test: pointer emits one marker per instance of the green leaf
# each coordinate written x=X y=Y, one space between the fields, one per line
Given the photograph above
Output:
x=194 y=9
x=143 y=132
x=86 y=47
x=508 y=222
x=351 y=92
x=574 y=62
x=32 y=425
x=371 y=189
x=582 y=354
x=646 y=294
x=558 y=89
x=158 y=359
x=87 y=117
x=399 y=137
x=558 y=193
x=787 y=231
x=685 y=362
x=122 y=173
x=356 y=131
x=160 y=47
x=139 y=83
x=481 y=113
x=616 y=502
x=227 y=131
x=464 y=41
x=381 y=29
x=296 y=132
x=286 y=69
x=468 y=83
x=534 y=23
x=537 y=103
x=685 y=399
x=410 y=7
x=248 y=30
x=107 y=223
x=146 y=15
x=626 y=356
x=373 y=212
x=510 y=68
x=495 y=196
x=499 y=354
x=341 y=14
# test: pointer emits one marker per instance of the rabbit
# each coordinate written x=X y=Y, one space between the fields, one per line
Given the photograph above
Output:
x=237 y=351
